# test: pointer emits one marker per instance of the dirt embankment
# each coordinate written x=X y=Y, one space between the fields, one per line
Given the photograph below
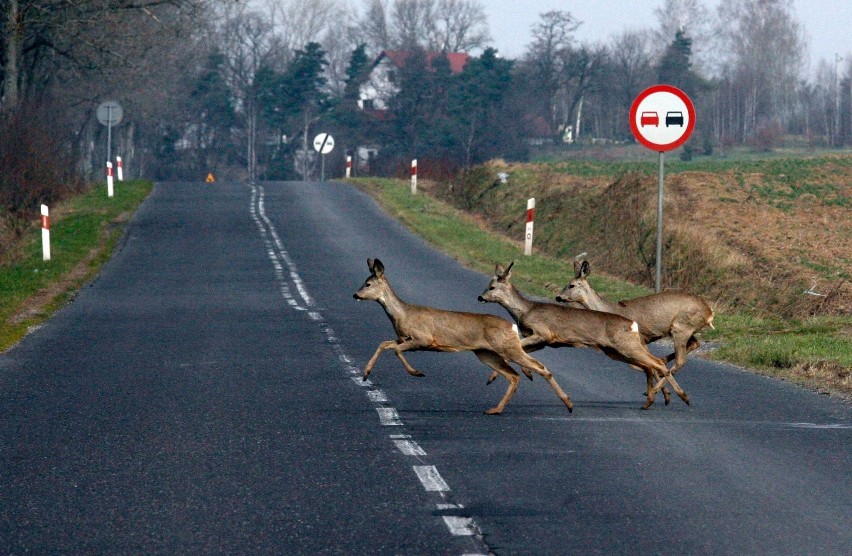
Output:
x=774 y=237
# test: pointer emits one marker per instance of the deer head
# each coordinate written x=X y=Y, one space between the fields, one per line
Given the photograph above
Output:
x=376 y=285
x=499 y=287
x=577 y=289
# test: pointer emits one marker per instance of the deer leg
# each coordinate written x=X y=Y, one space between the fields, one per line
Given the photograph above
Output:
x=399 y=348
x=499 y=366
x=405 y=346
x=382 y=347
x=683 y=346
x=521 y=358
x=667 y=377
x=530 y=343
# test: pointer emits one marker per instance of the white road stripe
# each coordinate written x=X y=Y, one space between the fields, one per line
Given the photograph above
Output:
x=458 y=525
x=430 y=478
x=377 y=396
x=388 y=416
x=409 y=448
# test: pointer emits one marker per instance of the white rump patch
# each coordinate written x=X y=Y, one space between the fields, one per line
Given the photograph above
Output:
x=635 y=327
x=515 y=328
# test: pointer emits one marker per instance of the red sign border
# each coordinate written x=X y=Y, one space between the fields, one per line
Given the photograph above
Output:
x=689 y=108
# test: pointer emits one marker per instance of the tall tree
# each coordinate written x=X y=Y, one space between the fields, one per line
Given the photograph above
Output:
x=675 y=67
x=766 y=53
x=476 y=100
x=545 y=66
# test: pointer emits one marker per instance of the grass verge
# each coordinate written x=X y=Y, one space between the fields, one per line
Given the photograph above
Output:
x=84 y=231
x=815 y=352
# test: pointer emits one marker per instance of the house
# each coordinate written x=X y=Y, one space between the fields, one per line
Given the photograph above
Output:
x=380 y=87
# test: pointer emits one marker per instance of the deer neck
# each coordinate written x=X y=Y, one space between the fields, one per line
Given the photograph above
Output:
x=393 y=305
x=598 y=303
x=516 y=304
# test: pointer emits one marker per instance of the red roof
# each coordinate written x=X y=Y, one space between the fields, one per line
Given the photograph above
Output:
x=398 y=57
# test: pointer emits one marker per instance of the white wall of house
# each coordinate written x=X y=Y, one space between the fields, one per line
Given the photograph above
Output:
x=379 y=88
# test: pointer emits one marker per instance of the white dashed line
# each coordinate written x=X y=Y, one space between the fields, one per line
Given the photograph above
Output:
x=428 y=475
x=409 y=448
x=431 y=479
x=388 y=417
x=458 y=525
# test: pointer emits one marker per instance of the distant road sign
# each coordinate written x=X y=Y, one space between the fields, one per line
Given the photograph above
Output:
x=323 y=143
x=662 y=118
x=110 y=113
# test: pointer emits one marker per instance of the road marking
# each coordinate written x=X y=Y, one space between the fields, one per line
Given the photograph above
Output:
x=431 y=479
x=722 y=422
x=409 y=448
x=458 y=525
x=388 y=417
x=377 y=396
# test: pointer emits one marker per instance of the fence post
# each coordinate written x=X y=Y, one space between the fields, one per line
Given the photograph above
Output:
x=529 y=231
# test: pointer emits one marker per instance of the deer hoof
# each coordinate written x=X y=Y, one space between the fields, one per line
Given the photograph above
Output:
x=491 y=378
x=493 y=411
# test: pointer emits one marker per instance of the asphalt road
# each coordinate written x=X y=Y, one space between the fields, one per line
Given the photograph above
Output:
x=202 y=396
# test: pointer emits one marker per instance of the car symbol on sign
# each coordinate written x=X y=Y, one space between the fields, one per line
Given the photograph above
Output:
x=649 y=118
x=674 y=118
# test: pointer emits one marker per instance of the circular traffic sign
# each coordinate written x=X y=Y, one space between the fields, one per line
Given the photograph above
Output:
x=323 y=143
x=110 y=113
x=662 y=117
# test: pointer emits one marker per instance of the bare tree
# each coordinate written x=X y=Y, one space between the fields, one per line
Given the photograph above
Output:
x=693 y=19
x=460 y=26
x=249 y=43
x=546 y=64
x=766 y=50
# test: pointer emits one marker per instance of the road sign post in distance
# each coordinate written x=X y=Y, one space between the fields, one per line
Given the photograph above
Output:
x=323 y=144
x=662 y=118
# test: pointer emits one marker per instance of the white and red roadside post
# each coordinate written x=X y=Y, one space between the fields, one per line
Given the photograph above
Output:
x=109 y=179
x=45 y=233
x=348 y=166
x=414 y=176
x=119 y=170
x=528 y=237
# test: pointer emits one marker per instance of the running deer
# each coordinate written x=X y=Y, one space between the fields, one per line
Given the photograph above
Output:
x=672 y=314
x=419 y=328
x=549 y=324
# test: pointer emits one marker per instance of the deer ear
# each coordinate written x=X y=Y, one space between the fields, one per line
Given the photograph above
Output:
x=370 y=265
x=577 y=269
x=378 y=268
x=499 y=270
x=585 y=269
x=509 y=270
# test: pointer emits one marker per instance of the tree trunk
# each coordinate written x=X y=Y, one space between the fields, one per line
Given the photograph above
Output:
x=12 y=54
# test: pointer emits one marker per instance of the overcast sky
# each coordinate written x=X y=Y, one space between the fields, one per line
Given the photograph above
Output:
x=827 y=23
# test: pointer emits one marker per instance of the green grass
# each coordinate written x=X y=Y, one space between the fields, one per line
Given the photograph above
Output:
x=86 y=226
x=787 y=348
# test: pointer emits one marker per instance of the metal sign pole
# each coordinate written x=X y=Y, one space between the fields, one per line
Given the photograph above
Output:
x=322 y=170
x=109 y=132
x=660 y=224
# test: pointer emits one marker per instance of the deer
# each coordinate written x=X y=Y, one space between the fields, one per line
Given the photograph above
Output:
x=673 y=314
x=550 y=324
x=420 y=328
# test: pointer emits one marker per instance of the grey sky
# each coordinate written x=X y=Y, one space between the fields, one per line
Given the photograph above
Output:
x=826 y=22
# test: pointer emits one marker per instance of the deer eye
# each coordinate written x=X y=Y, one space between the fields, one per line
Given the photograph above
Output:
x=491 y=288
x=571 y=287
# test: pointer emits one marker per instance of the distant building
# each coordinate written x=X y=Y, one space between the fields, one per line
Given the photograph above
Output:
x=380 y=86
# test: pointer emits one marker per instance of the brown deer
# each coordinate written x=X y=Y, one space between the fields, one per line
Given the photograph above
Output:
x=420 y=328
x=549 y=324
x=672 y=314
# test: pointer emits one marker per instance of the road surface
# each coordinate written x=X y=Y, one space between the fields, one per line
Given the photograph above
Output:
x=203 y=395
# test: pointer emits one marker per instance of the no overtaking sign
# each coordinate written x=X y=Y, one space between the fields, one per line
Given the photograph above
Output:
x=662 y=118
